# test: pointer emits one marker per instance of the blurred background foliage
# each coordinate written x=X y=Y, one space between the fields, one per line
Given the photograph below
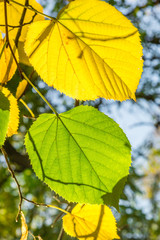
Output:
x=139 y=216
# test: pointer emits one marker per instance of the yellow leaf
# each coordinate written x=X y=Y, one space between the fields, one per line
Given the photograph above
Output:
x=90 y=51
x=14 y=112
x=21 y=88
x=14 y=12
x=91 y=222
x=22 y=55
x=24 y=227
x=7 y=63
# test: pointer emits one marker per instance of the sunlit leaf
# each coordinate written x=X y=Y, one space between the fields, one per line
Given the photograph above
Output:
x=90 y=51
x=21 y=88
x=14 y=13
x=89 y=222
x=7 y=63
x=112 y=198
x=22 y=55
x=24 y=227
x=14 y=112
x=81 y=154
x=4 y=117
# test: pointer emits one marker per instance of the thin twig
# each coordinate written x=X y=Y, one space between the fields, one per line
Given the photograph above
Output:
x=45 y=205
x=77 y=102
x=60 y=236
x=22 y=74
x=21 y=22
x=18 y=66
x=68 y=208
x=6 y=22
x=20 y=192
x=26 y=106
x=56 y=219
x=16 y=181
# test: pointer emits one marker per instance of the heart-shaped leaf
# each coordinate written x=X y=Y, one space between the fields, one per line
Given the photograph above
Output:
x=91 y=50
x=81 y=154
x=88 y=222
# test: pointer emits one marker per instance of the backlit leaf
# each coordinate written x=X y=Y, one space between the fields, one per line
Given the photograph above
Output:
x=21 y=88
x=81 y=154
x=112 y=198
x=14 y=112
x=22 y=55
x=90 y=51
x=4 y=117
x=7 y=63
x=14 y=12
x=89 y=222
x=24 y=227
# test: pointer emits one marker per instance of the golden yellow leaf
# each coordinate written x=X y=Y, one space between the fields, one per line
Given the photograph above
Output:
x=14 y=12
x=22 y=55
x=91 y=222
x=7 y=63
x=24 y=227
x=91 y=50
x=14 y=112
x=21 y=88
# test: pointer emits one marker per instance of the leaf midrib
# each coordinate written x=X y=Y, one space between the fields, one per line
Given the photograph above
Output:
x=82 y=152
x=58 y=20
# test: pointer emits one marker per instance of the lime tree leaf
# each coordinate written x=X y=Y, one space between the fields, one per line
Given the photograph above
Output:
x=112 y=198
x=91 y=50
x=7 y=63
x=24 y=227
x=4 y=117
x=21 y=88
x=88 y=222
x=22 y=55
x=14 y=13
x=81 y=154
x=14 y=112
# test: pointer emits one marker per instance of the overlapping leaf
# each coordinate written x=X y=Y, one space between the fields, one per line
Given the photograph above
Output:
x=22 y=55
x=91 y=50
x=24 y=227
x=14 y=112
x=21 y=88
x=7 y=63
x=14 y=13
x=4 y=117
x=81 y=154
x=89 y=222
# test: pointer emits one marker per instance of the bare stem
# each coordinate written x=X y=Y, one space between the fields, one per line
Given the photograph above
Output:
x=29 y=110
x=22 y=74
x=16 y=181
x=21 y=22
x=61 y=234
x=40 y=94
x=77 y=102
x=45 y=205
x=20 y=192
x=6 y=22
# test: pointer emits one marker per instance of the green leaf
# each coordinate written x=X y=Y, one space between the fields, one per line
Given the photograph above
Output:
x=4 y=117
x=81 y=154
x=112 y=198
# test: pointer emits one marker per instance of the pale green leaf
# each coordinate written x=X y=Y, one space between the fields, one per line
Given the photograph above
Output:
x=81 y=154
